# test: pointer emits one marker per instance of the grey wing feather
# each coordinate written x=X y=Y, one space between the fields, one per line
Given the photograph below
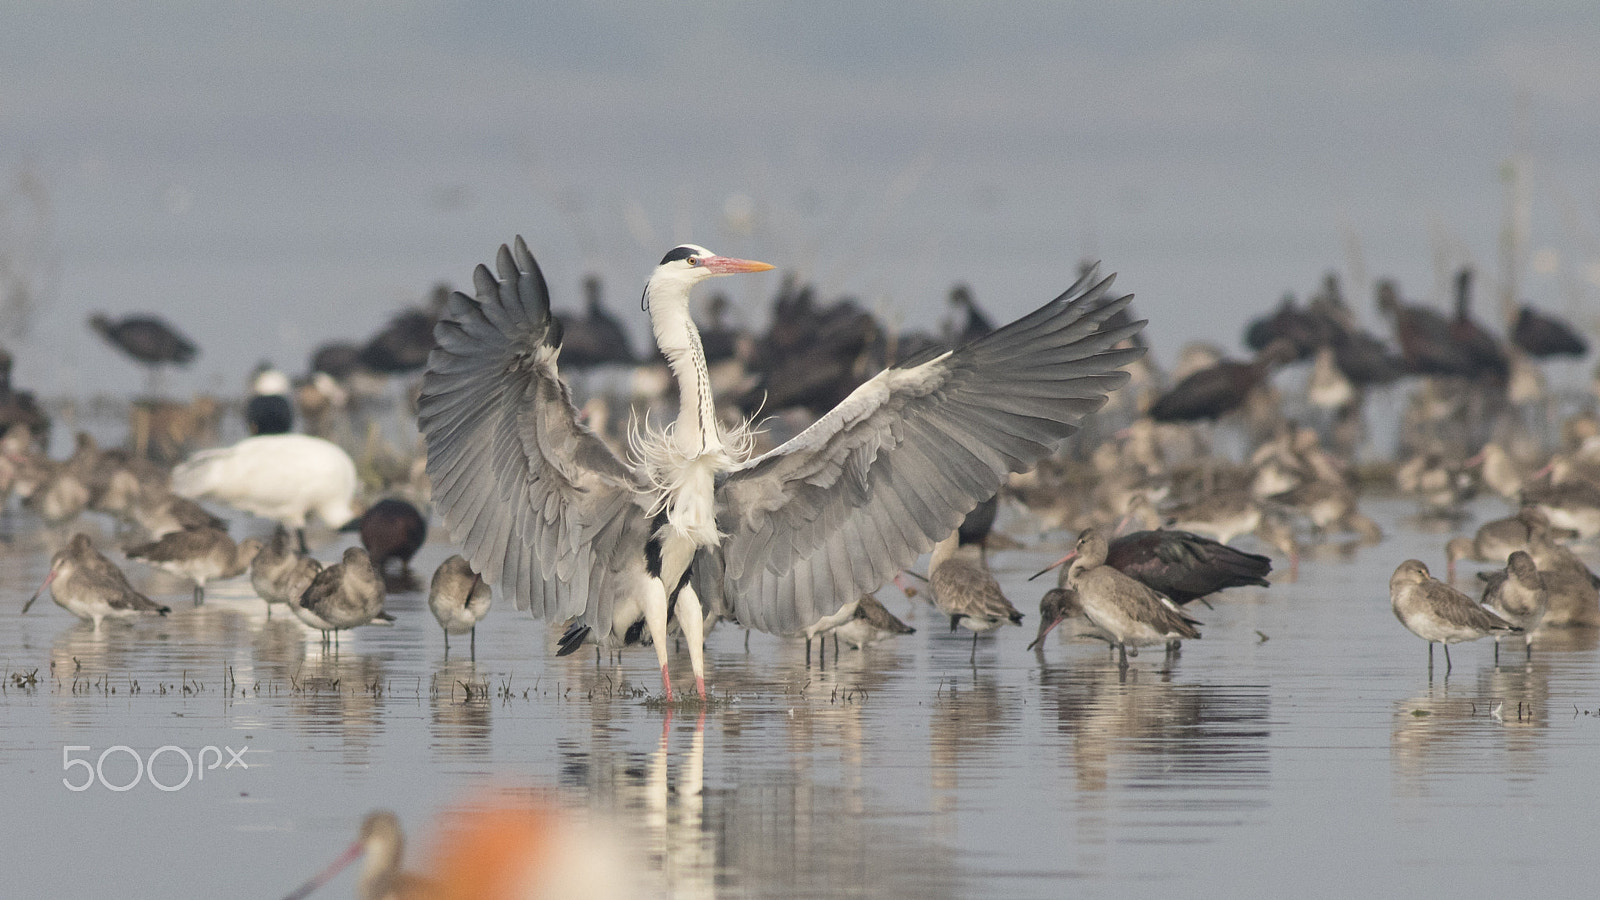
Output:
x=537 y=502
x=1149 y=605
x=1459 y=610
x=873 y=484
x=325 y=585
x=110 y=583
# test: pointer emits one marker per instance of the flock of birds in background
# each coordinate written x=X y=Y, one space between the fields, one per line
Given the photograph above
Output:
x=1477 y=418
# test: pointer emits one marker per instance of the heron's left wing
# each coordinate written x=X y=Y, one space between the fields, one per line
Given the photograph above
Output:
x=876 y=482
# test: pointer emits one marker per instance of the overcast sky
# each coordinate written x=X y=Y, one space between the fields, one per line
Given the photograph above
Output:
x=275 y=175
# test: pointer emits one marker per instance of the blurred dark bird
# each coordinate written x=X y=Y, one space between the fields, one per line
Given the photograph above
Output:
x=976 y=324
x=1486 y=355
x=1304 y=330
x=813 y=356
x=269 y=410
x=339 y=359
x=596 y=339
x=1366 y=359
x=391 y=529
x=1213 y=392
x=20 y=407
x=1184 y=566
x=721 y=341
x=1542 y=336
x=1180 y=565
x=145 y=338
x=1424 y=336
x=403 y=345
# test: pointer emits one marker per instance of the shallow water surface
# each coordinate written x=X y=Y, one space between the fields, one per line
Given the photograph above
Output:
x=1300 y=748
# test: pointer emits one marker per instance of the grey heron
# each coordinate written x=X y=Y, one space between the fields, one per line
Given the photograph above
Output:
x=691 y=522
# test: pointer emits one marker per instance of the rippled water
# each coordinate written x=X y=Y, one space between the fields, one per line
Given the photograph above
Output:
x=1300 y=748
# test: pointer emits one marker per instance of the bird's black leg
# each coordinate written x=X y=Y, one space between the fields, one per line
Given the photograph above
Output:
x=300 y=534
x=473 y=641
x=447 y=646
x=1497 y=652
x=199 y=594
x=972 y=658
x=1447 y=659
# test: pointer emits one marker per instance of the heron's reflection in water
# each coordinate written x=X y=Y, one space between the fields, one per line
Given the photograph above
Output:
x=770 y=833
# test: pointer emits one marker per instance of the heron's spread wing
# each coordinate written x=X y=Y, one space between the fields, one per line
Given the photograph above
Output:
x=873 y=484
x=540 y=506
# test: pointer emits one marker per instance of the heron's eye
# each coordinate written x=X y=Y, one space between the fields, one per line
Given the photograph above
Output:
x=692 y=261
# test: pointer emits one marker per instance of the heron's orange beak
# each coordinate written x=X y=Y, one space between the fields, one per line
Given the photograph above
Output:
x=727 y=265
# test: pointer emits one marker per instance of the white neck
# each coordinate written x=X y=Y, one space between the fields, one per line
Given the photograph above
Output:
x=696 y=432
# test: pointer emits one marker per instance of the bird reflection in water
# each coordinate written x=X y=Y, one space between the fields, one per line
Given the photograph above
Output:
x=1148 y=729
x=770 y=832
x=968 y=720
x=1491 y=724
x=459 y=704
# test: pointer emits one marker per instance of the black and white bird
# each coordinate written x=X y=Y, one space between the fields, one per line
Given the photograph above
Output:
x=555 y=519
x=269 y=410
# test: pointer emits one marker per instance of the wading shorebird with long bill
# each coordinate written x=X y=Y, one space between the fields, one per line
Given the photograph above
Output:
x=691 y=524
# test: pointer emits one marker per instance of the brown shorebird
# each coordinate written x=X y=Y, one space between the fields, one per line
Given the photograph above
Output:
x=459 y=597
x=1131 y=612
x=1518 y=595
x=201 y=555
x=1435 y=611
x=965 y=590
x=1221 y=515
x=91 y=587
x=871 y=623
x=1060 y=605
x=382 y=843
x=269 y=571
x=1572 y=596
x=280 y=575
x=345 y=595
x=1495 y=540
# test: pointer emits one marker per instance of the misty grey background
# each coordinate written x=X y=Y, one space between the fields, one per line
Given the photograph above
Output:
x=274 y=175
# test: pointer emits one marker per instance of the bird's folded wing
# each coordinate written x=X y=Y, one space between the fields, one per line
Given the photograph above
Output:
x=540 y=506
x=877 y=481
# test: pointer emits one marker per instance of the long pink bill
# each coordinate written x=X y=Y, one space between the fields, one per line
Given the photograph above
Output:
x=326 y=875
x=47 y=580
x=1055 y=565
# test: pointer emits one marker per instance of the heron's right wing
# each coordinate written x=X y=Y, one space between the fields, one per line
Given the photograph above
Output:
x=539 y=505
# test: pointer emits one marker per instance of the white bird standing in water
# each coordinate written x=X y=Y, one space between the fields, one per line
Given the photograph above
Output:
x=551 y=516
